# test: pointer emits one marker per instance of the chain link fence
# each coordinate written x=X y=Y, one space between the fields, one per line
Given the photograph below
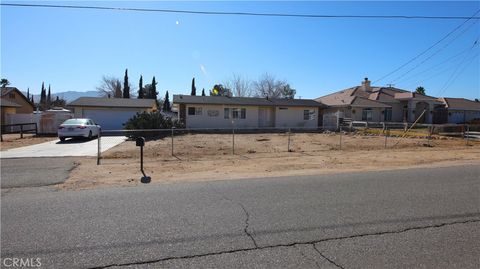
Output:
x=163 y=145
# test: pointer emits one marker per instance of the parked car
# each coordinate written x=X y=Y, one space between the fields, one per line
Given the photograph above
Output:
x=75 y=128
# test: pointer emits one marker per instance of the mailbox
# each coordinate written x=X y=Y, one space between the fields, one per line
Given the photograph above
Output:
x=140 y=141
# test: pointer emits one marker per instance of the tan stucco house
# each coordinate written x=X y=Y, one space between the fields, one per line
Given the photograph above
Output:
x=14 y=101
x=377 y=104
x=110 y=113
x=246 y=112
x=457 y=110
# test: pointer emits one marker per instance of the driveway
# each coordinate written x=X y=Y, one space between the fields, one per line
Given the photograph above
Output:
x=69 y=148
x=35 y=172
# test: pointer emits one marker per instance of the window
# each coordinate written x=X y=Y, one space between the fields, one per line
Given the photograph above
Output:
x=191 y=111
x=367 y=114
x=307 y=114
x=235 y=113
x=243 y=113
x=226 y=112
x=388 y=114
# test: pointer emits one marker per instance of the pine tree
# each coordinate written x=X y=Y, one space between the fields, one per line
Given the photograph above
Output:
x=141 y=94
x=49 y=98
x=166 y=103
x=126 y=87
x=194 y=89
x=203 y=92
x=43 y=97
x=33 y=101
x=28 y=93
x=153 y=94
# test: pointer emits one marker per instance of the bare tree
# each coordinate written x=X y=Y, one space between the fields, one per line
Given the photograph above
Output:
x=268 y=86
x=112 y=86
x=240 y=86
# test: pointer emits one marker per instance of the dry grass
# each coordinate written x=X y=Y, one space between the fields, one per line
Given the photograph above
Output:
x=209 y=157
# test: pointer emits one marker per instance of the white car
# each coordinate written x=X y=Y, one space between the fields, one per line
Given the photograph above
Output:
x=73 y=128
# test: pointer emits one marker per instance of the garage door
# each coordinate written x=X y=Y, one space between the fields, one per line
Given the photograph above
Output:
x=109 y=119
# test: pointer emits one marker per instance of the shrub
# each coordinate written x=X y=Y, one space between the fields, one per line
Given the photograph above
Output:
x=150 y=120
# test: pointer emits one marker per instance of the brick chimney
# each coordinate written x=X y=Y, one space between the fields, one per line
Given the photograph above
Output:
x=366 y=85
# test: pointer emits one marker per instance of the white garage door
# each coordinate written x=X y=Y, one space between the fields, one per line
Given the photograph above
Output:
x=109 y=119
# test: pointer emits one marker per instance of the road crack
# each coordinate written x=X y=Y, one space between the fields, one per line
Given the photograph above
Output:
x=247 y=215
x=326 y=258
x=313 y=242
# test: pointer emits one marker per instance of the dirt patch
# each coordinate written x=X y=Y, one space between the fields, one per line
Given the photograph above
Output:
x=312 y=154
x=11 y=141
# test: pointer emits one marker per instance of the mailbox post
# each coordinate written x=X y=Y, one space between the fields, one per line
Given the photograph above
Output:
x=140 y=142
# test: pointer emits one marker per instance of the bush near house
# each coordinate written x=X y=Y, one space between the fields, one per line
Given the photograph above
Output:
x=150 y=120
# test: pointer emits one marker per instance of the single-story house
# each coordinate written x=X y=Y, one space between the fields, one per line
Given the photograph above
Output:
x=110 y=113
x=246 y=112
x=14 y=101
x=377 y=104
x=457 y=110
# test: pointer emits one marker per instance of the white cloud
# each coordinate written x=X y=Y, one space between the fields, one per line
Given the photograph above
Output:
x=204 y=71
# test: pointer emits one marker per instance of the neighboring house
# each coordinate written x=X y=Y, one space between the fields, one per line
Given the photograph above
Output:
x=14 y=102
x=246 y=112
x=457 y=110
x=110 y=113
x=377 y=104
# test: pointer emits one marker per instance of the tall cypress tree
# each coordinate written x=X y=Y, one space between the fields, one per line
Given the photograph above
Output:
x=166 y=103
x=154 y=92
x=49 y=98
x=28 y=93
x=126 y=87
x=203 y=92
x=141 y=94
x=43 y=97
x=194 y=89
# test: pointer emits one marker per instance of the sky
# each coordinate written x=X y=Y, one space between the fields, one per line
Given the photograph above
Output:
x=71 y=49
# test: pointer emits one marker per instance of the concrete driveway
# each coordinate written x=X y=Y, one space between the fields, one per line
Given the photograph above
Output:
x=69 y=148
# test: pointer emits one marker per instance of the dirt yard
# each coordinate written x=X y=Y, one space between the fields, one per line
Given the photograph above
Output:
x=209 y=157
x=11 y=141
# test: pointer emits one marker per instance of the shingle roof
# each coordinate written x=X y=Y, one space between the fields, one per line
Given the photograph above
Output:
x=460 y=104
x=112 y=102
x=377 y=95
x=7 y=103
x=246 y=101
x=350 y=97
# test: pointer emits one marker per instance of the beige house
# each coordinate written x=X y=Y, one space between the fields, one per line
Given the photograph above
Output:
x=14 y=102
x=457 y=110
x=377 y=104
x=110 y=113
x=246 y=112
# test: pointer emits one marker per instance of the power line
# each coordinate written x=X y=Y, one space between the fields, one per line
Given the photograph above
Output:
x=244 y=13
x=435 y=53
x=429 y=48
x=441 y=63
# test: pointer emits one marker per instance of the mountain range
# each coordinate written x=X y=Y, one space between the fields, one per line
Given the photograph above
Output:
x=69 y=96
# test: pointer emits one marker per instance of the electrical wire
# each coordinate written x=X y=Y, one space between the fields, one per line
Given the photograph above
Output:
x=433 y=54
x=428 y=49
x=243 y=13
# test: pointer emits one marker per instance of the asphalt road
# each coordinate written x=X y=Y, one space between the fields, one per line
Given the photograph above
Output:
x=69 y=148
x=35 y=172
x=418 y=218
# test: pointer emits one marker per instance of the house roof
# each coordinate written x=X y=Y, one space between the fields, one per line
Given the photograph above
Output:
x=378 y=95
x=112 y=102
x=460 y=104
x=7 y=103
x=350 y=97
x=6 y=90
x=245 y=101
